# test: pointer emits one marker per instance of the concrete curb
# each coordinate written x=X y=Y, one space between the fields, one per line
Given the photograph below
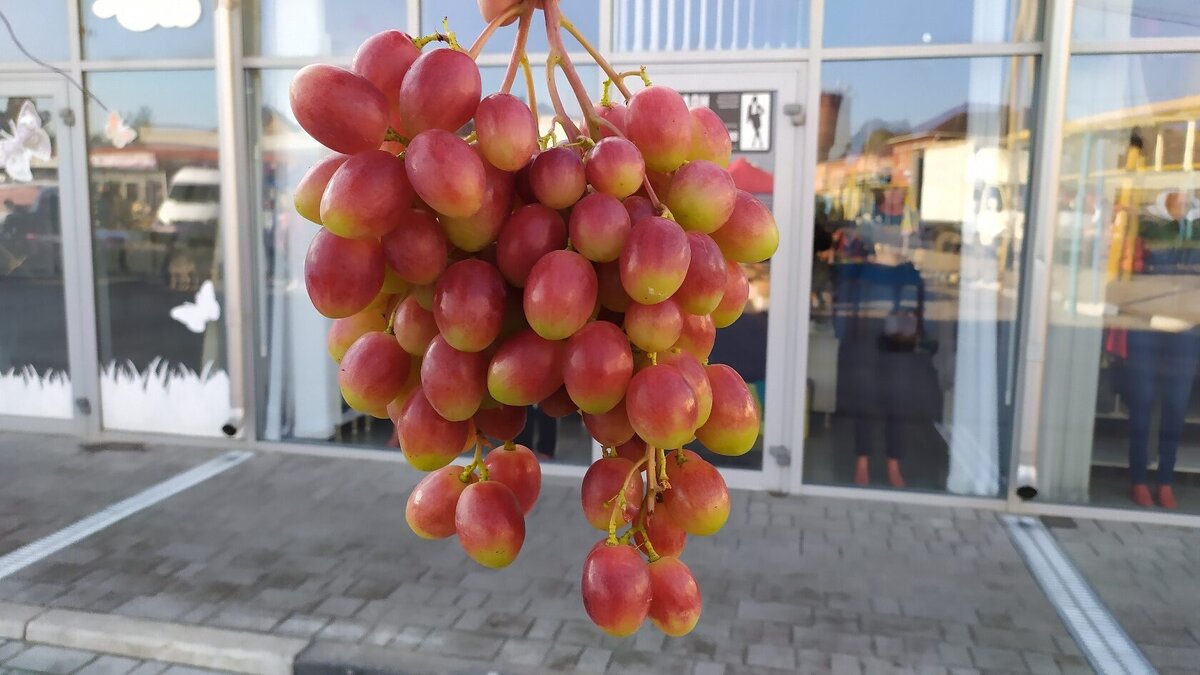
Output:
x=199 y=646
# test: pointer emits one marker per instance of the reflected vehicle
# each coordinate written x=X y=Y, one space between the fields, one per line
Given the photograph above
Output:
x=192 y=206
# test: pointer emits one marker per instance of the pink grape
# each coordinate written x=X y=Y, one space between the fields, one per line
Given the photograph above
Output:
x=440 y=91
x=342 y=276
x=557 y=177
x=341 y=110
x=445 y=172
x=598 y=227
x=615 y=167
x=506 y=130
x=658 y=123
x=366 y=196
x=416 y=249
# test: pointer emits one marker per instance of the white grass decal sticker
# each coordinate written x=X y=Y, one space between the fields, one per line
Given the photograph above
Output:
x=25 y=393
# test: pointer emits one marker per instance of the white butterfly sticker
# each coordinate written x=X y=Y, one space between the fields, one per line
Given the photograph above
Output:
x=24 y=140
x=117 y=131
x=196 y=314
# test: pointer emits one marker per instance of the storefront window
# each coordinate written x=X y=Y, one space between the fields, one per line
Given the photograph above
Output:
x=168 y=29
x=35 y=377
x=317 y=27
x=921 y=196
x=1121 y=414
x=155 y=210
x=861 y=23
x=1122 y=19
x=299 y=399
x=674 y=25
x=40 y=26
x=467 y=23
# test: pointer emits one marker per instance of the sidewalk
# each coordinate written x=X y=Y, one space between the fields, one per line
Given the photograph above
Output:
x=318 y=550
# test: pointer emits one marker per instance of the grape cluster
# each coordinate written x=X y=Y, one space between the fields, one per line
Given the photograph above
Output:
x=471 y=276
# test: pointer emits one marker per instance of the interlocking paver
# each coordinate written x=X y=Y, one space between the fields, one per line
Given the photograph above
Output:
x=52 y=660
x=109 y=665
x=790 y=584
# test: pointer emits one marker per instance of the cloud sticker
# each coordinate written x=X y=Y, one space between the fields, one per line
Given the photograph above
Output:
x=142 y=15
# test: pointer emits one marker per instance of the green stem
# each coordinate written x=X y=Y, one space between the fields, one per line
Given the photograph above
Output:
x=621 y=503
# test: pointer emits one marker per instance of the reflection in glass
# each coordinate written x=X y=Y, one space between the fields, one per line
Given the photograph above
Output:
x=670 y=25
x=155 y=208
x=863 y=23
x=467 y=23
x=1125 y=299
x=920 y=187
x=299 y=399
x=1121 y=19
x=35 y=377
x=317 y=27
x=113 y=29
x=41 y=27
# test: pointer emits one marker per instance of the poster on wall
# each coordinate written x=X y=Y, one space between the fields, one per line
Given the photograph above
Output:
x=746 y=114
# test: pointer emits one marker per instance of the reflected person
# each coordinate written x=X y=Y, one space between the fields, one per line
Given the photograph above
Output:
x=1161 y=363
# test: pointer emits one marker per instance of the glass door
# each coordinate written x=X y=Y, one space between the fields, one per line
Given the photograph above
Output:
x=42 y=375
x=751 y=100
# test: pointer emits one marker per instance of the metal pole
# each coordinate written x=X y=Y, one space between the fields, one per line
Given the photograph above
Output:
x=1043 y=219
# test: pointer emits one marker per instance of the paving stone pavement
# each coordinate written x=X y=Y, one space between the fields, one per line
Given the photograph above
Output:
x=318 y=548
x=1149 y=576
x=18 y=657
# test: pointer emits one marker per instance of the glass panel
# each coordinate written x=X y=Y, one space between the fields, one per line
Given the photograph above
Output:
x=467 y=23
x=920 y=185
x=1122 y=19
x=155 y=206
x=860 y=23
x=317 y=27
x=300 y=399
x=168 y=29
x=743 y=344
x=35 y=378
x=40 y=26
x=1120 y=407
x=670 y=25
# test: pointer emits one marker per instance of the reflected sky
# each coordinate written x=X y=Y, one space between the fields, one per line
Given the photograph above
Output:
x=1119 y=19
x=180 y=99
x=893 y=22
x=40 y=25
x=668 y=25
x=107 y=39
x=318 y=27
x=1100 y=83
x=884 y=92
x=466 y=23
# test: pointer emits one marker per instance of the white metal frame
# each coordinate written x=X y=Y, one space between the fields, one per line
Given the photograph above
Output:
x=72 y=249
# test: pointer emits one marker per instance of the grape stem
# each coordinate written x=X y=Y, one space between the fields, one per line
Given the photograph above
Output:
x=476 y=463
x=518 y=53
x=619 y=507
x=609 y=71
x=555 y=19
x=652 y=487
x=532 y=91
x=495 y=23
x=560 y=113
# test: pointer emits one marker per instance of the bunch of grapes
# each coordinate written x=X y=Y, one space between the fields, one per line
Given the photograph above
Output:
x=472 y=275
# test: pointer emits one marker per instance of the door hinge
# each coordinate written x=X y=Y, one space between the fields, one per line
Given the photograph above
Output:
x=68 y=116
x=795 y=111
x=782 y=454
x=83 y=405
